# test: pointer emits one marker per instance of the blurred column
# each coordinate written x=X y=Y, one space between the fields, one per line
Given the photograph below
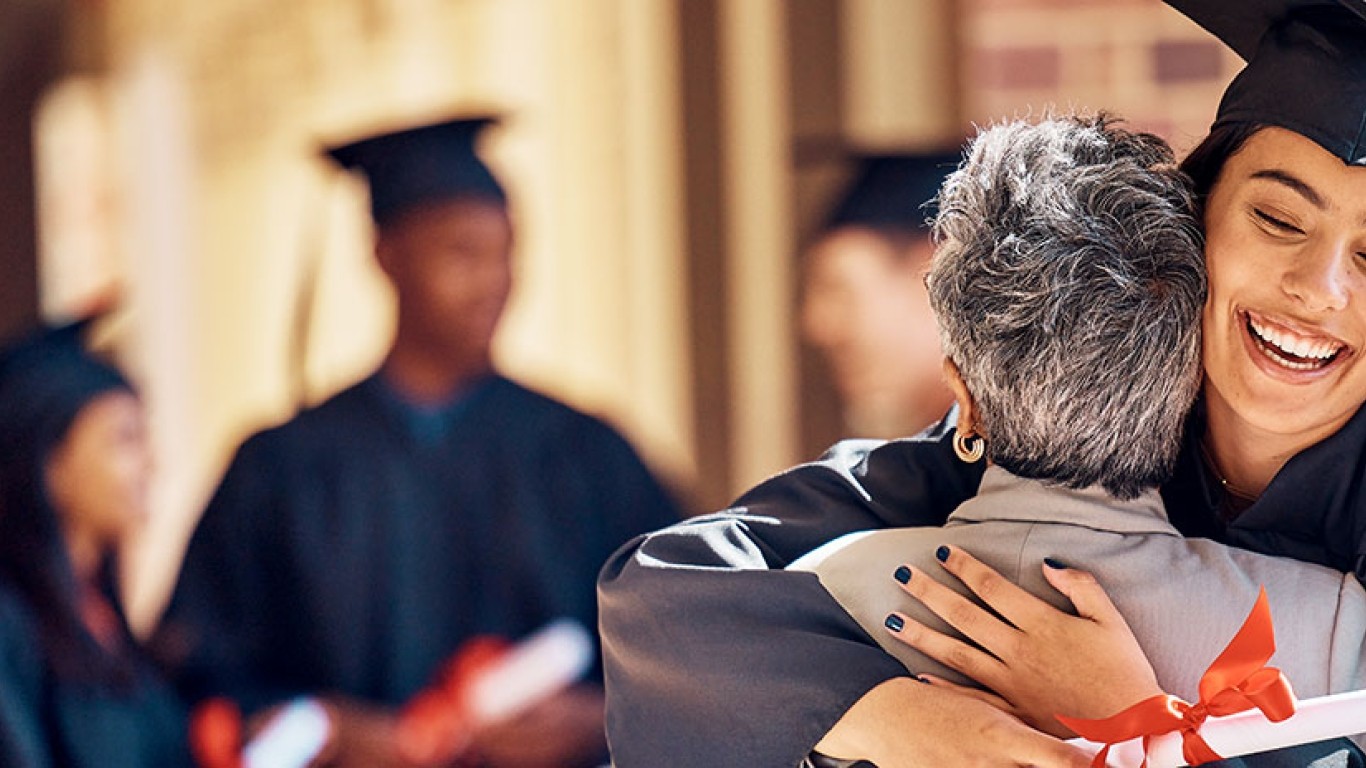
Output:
x=874 y=75
x=708 y=311
x=653 y=243
x=820 y=171
x=592 y=152
x=901 y=85
x=757 y=162
x=30 y=58
x=153 y=128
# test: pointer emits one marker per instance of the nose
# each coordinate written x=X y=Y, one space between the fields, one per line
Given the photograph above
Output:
x=1321 y=281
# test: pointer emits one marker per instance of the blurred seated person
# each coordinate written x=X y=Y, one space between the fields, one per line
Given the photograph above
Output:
x=350 y=552
x=75 y=689
x=864 y=304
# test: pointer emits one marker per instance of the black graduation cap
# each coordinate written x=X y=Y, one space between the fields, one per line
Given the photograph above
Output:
x=894 y=192
x=46 y=378
x=425 y=164
x=1306 y=66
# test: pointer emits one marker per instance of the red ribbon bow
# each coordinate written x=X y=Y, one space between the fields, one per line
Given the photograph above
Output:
x=216 y=734
x=432 y=729
x=1237 y=681
x=436 y=726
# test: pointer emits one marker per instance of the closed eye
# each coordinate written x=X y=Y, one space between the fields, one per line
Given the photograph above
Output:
x=1276 y=223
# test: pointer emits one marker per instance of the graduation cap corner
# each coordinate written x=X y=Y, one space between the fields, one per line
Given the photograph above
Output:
x=1306 y=66
x=421 y=164
x=893 y=190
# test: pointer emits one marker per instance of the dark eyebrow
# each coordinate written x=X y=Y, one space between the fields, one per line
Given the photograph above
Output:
x=1294 y=183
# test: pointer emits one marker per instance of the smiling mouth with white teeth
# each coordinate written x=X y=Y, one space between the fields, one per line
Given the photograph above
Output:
x=1291 y=350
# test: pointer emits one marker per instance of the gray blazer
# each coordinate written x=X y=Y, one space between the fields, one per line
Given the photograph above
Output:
x=1183 y=598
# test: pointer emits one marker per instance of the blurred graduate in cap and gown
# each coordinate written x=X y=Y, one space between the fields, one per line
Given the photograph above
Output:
x=864 y=304
x=351 y=551
x=715 y=656
x=75 y=688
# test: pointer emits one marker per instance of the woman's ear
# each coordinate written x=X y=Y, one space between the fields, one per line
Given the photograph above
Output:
x=967 y=406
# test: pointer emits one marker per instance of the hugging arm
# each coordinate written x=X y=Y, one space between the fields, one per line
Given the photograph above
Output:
x=903 y=723
x=1044 y=661
x=727 y=662
x=1049 y=661
x=715 y=656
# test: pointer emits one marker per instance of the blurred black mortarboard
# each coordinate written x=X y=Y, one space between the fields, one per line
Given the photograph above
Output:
x=1306 y=66
x=893 y=192
x=46 y=378
x=419 y=165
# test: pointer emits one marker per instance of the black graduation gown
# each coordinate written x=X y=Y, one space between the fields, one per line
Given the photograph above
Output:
x=353 y=549
x=717 y=657
x=47 y=722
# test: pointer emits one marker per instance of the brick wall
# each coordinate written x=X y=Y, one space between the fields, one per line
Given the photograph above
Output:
x=1137 y=58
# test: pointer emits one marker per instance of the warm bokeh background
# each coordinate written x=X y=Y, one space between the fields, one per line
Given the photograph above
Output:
x=667 y=160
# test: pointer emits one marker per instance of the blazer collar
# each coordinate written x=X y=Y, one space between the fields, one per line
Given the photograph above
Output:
x=1006 y=497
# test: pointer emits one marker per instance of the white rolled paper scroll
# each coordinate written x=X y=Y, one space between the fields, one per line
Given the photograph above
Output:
x=291 y=739
x=539 y=666
x=1246 y=733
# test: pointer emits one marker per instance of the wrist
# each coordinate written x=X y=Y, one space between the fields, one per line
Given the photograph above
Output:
x=869 y=729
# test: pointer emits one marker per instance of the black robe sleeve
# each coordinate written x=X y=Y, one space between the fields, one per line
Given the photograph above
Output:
x=714 y=655
x=141 y=725
x=23 y=742
x=717 y=657
x=51 y=722
x=209 y=638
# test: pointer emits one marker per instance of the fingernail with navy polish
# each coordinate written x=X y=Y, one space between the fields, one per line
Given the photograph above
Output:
x=1057 y=564
x=943 y=554
x=894 y=622
x=903 y=575
x=920 y=679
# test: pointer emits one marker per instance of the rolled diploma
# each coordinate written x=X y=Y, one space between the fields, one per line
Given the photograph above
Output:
x=291 y=739
x=1246 y=733
x=548 y=660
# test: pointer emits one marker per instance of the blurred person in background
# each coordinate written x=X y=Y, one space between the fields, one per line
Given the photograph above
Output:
x=864 y=304
x=75 y=689
x=350 y=552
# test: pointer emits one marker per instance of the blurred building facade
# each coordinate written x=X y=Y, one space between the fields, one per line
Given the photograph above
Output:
x=666 y=160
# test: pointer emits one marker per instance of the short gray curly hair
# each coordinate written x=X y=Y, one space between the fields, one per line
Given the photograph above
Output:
x=1068 y=284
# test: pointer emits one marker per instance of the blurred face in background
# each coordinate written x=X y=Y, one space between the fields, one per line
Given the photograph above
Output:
x=866 y=309
x=98 y=476
x=451 y=263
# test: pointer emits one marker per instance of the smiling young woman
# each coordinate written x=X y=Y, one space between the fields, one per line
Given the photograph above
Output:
x=1285 y=322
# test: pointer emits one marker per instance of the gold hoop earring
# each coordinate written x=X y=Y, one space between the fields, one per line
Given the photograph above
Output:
x=970 y=448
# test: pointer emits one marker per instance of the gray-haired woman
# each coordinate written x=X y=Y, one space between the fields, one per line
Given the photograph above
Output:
x=1068 y=286
x=714 y=657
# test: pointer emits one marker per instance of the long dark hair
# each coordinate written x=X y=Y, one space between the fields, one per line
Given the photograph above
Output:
x=44 y=384
x=1204 y=163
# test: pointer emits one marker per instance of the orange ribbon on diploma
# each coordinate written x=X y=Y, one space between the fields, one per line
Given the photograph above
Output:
x=1237 y=681
x=437 y=724
x=487 y=681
